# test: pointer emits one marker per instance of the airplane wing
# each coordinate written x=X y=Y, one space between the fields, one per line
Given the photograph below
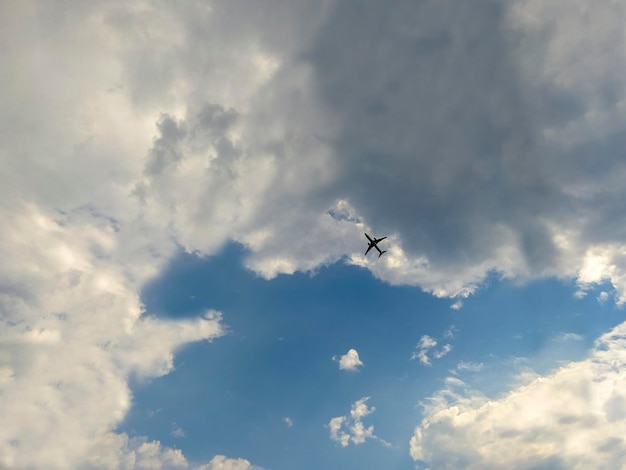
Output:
x=368 y=237
x=380 y=239
x=368 y=250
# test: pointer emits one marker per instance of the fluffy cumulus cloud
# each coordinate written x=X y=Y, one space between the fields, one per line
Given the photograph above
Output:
x=220 y=462
x=349 y=361
x=350 y=428
x=73 y=333
x=152 y=456
x=574 y=417
x=462 y=132
x=78 y=242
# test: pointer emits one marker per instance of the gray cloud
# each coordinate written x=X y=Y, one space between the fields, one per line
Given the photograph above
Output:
x=435 y=139
x=468 y=132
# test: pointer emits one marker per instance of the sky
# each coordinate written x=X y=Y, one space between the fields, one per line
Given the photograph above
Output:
x=185 y=190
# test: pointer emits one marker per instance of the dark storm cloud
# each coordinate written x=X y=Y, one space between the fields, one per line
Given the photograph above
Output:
x=435 y=141
x=449 y=125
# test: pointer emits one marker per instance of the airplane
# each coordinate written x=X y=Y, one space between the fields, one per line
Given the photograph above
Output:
x=374 y=244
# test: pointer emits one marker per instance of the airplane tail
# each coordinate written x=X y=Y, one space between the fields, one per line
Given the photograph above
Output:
x=381 y=253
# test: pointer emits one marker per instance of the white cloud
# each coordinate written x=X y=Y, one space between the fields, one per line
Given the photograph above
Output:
x=443 y=351
x=349 y=361
x=151 y=456
x=288 y=421
x=574 y=418
x=220 y=462
x=458 y=305
x=350 y=428
x=78 y=244
x=427 y=344
x=73 y=334
x=603 y=297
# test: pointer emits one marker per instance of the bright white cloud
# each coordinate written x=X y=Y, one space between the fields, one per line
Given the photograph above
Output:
x=73 y=335
x=78 y=243
x=349 y=361
x=350 y=428
x=151 y=456
x=573 y=418
x=220 y=462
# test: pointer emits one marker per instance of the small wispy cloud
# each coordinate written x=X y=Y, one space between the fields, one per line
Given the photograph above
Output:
x=443 y=351
x=457 y=305
x=470 y=366
x=564 y=337
x=427 y=345
x=288 y=421
x=451 y=332
x=516 y=361
x=349 y=361
x=176 y=431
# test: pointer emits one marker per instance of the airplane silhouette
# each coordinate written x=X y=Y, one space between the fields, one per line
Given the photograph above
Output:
x=374 y=244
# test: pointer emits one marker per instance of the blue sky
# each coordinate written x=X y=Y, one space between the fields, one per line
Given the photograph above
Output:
x=185 y=190
x=232 y=396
